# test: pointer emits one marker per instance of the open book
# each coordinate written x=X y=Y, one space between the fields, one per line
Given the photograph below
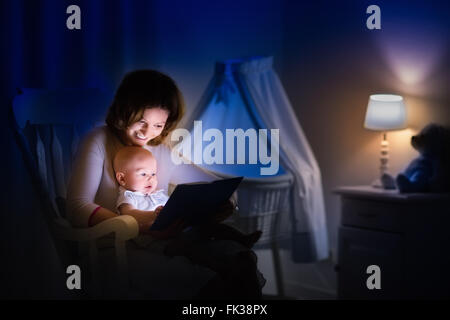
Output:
x=195 y=201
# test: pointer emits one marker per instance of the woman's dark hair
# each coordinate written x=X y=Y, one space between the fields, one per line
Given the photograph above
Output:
x=142 y=89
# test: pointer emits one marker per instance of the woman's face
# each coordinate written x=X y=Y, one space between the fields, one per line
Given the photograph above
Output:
x=150 y=126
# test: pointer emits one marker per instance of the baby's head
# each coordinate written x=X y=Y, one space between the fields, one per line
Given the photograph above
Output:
x=135 y=169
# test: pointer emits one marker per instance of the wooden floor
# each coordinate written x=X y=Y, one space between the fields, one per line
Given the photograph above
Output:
x=312 y=281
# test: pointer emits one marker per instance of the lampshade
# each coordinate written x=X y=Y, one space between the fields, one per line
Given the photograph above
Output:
x=385 y=112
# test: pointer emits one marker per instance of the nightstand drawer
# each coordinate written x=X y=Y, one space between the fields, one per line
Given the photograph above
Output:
x=406 y=235
x=358 y=249
x=372 y=214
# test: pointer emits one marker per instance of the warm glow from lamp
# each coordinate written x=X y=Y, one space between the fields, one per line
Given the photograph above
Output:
x=385 y=112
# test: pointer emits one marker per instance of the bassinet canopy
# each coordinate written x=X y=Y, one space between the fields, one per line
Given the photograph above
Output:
x=247 y=94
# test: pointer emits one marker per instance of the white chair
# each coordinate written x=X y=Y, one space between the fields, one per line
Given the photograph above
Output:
x=46 y=134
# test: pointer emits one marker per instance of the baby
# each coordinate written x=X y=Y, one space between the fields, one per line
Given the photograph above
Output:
x=135 y=170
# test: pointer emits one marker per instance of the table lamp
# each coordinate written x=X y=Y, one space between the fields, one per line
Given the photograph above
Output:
x=385 y=112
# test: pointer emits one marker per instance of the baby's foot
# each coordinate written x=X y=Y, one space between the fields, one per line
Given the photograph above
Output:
x=252 y=238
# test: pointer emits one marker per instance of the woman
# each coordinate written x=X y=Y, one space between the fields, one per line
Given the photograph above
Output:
x=146 y=108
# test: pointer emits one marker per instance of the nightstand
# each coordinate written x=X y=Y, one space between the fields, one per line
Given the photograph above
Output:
x=406 y=235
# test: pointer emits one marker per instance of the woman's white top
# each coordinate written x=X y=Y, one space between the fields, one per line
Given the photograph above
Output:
x=141 y=201
x=93 y=183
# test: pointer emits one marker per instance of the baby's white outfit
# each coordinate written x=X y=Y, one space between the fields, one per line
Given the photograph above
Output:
x=142 y=201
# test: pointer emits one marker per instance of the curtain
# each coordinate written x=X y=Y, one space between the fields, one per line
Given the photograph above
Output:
x=309 y=234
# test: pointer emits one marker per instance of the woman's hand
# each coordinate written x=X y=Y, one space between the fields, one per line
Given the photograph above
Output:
x=173 y=230
x=144 y=218
x=147 y=218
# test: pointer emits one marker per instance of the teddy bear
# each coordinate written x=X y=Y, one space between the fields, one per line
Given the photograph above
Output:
x=430 y=172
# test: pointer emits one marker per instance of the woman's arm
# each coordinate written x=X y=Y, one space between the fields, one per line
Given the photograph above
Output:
x=100 y=215
x=84 y=183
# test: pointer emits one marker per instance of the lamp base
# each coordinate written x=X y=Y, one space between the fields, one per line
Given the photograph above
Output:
x=386 y=181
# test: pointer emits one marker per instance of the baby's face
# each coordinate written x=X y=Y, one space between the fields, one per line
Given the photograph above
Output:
x=140 y=175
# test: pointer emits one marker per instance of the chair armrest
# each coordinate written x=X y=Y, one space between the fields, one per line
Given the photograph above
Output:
x=125 y=228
